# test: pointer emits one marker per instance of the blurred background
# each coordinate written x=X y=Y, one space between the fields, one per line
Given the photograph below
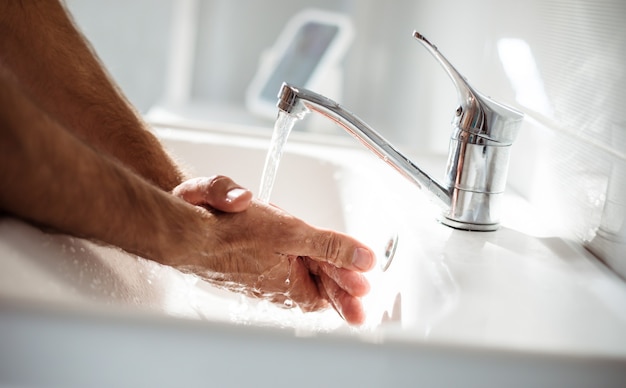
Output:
x=561 y=62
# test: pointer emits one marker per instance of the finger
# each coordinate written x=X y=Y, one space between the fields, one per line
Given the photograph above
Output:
x=348 y=306
x=322 y=290
x=290 y=280
x=218 y=192
x=335 y=248
x=302 y=287
x=354 y=283
x=293 y=236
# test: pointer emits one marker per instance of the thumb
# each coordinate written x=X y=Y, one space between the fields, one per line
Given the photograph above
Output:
x=338 y=249
x=219 y=192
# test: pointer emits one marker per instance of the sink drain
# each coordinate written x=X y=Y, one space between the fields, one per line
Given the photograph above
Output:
x=390 y=252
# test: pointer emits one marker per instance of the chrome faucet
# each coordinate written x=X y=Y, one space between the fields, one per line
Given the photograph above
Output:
x=482 y=134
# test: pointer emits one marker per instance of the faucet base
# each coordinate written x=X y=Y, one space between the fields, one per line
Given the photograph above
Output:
x=472 y=210
x=468 y=226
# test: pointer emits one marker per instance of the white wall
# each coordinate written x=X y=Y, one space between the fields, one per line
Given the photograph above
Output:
x=132 y=39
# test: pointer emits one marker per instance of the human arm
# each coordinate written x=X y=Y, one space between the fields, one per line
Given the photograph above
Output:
x=56 y=66
x=50 y=177
x=60 y=72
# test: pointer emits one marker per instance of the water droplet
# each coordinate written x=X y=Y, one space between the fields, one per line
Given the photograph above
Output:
x=287 y=281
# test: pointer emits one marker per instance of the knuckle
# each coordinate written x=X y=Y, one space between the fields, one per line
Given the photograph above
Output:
x=331 y=246
x=216 y=181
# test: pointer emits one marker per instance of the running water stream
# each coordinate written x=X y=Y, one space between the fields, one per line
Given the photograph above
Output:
x=282 y=128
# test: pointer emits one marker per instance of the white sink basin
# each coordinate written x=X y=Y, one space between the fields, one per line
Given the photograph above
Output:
x=516 y=307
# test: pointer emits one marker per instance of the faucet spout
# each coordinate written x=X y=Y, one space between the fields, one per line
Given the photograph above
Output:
x=298 y=101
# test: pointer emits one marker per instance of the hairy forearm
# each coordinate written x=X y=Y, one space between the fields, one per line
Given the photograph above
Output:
x=59 y=70
x=50 y=177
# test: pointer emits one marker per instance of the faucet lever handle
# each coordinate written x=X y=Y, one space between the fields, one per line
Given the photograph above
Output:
x=477 y=114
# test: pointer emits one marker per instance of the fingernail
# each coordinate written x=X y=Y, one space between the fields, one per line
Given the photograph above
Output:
x=362 y=259
x=235 y=193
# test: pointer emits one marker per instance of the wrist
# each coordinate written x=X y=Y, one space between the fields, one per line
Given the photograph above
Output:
x=182 y=235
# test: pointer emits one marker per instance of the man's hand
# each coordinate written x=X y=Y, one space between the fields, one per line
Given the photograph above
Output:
x=264 y=252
